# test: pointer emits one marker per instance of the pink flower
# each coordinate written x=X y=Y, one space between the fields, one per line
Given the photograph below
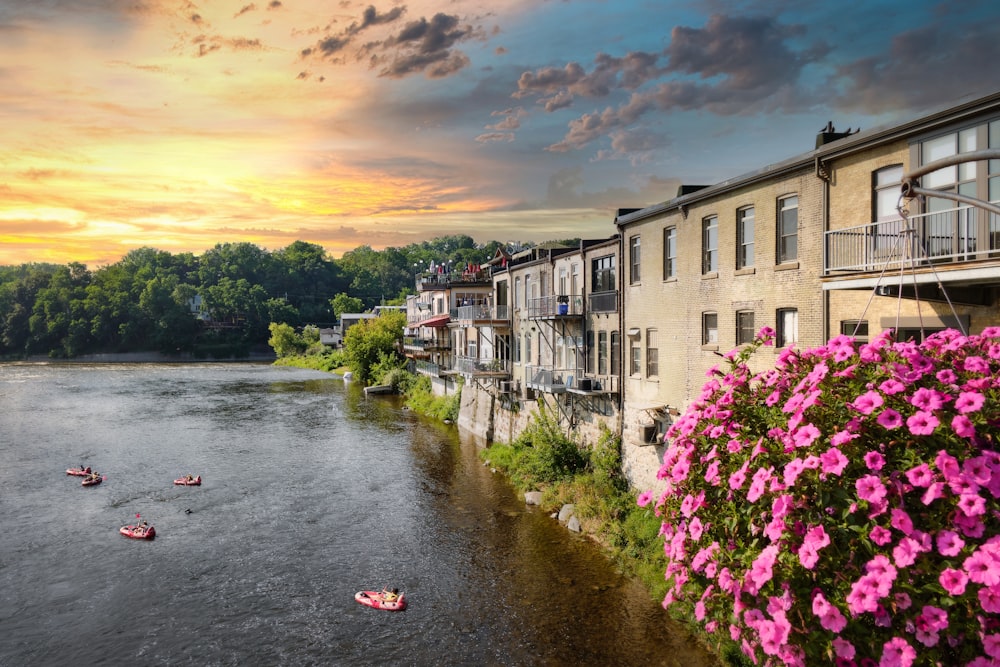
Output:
x=969 y=401
x=890 y=387
x=927 y=399
x=889 y=419
x=880 y=536
x=963 y=426
x=953 y=580
x=867 y=402
x=792 y=470
x=982 y=568
x=833 y=461
x=843 y=649
x=644 y=498
x=972 y=504
x=920 y=475
x=870 y=488
x=906 y=552
x=805 y=435
x=949 y=543
x=922 y=423
x=901 y=521
x=897 y=653
x=934 y=491
x=989 y=599
x=991 y=645
x=874 y=461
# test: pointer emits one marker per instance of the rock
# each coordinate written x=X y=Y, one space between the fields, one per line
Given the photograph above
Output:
x=533 y=498
x=574 y=524
x=566 y=512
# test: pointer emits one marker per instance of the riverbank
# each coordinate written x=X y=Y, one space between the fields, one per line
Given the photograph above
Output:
x=150 y=357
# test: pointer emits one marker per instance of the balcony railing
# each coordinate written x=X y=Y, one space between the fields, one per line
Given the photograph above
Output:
x=483 y=312
x=413 y=343
x=430 y=281
x=555 y=305
x=552 y=380
x=428 y=368
x=603 y=302
x=467 y=365
x=959 y=235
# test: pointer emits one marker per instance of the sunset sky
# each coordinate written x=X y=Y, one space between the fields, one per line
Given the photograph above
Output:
x=179 y=125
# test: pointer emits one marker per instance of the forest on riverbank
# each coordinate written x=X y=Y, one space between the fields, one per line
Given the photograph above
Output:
x=217 y=304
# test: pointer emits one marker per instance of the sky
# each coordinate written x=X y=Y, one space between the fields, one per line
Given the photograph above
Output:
x=179 y=124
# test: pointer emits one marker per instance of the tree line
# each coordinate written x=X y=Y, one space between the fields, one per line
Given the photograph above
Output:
x=218 y=304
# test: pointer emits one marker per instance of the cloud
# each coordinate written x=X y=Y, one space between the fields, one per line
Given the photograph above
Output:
x=426 y=46
x=247 y=8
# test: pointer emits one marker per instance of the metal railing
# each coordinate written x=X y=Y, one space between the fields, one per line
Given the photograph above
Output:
x=555 y=304
x=428 y=368
x=550 y=379
x=483 y=312
x=413 y=343
x=959 y=235
x=603 y=302
x=467 y=365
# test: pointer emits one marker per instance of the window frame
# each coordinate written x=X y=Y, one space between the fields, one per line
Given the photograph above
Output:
x=709 y=245
x=710 y=328
x=784 y=255
x=669 y=253
x=635 y=357
x=782 y=338
x=602 y=352
x=635 y=259
x=745 y=329
x=602 y=270
x=652 y=354
x=745 y=237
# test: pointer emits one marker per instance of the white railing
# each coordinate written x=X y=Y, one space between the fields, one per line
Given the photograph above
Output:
x=959 y=235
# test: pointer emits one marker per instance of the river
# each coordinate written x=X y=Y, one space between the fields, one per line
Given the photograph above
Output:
x=311 y=492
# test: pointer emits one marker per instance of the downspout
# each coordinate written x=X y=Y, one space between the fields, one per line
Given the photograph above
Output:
x=824 y=175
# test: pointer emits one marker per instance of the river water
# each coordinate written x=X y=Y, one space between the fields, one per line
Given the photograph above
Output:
x=311 y=492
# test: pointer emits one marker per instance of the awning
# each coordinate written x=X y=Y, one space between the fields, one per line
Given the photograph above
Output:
x=436 y=321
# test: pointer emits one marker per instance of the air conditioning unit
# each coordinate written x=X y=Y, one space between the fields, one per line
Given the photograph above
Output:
x=649 y=433
x=585 y=384
x=506 y=387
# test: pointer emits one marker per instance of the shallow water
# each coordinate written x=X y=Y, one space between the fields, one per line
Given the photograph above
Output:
x=311 y=492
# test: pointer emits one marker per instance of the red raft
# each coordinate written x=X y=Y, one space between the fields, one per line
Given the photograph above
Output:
x=188 y=481
x=92 y=480
x=79 y=472
x=376 y=600
x=138 y=532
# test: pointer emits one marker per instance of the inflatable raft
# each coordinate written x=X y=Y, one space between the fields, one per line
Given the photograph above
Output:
x=137 y=532
x=376 y=600
x=188 y=481
x=79 y=472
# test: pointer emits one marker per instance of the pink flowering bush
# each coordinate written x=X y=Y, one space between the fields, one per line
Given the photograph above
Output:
x=842 y=508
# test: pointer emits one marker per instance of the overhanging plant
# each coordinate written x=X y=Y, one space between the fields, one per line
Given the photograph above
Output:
x=842 y=508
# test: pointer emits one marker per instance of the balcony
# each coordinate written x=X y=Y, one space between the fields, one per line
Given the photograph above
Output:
x=483 y=314
x=436 y=281
x=558 y=305
x=412 y=343
x=603 y=302
x=960 y=236
x=552 y=380
x=474 y=366
x=428 y=368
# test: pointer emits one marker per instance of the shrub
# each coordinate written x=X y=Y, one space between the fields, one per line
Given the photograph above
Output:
x=842 y=507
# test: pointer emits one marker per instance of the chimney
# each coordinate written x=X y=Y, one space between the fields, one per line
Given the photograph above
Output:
x=828 y=134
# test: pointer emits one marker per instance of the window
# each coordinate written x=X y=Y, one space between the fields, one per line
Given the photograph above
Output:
x=527 y=348
x=788 y=327
x=517 y=292
x=993 y=168
x=669 y=253
x=616 y=353
x=652 y=354
x=744 y=327
x=857 y=329
x=603 y=274
x=636 y=353
x=710 y=245
x=635 y=259
x=788 y=229
x=602 y=353
x=744 y=237
x=709 y=328
x=958 y=178
x=886 y=184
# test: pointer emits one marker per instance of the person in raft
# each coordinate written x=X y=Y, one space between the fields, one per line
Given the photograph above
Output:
x=142 y=527
x=390 y=596
x=93 y=476
x=190 y=477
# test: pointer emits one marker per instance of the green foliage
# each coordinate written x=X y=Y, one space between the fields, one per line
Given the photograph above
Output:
x=420 y=398
x=326 y=360
x=345 y=303
x=372 y=346
x=284 y=341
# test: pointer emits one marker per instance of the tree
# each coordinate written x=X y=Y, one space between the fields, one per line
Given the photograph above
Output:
x=345 y=303
x=374 y=343
x=284 y=341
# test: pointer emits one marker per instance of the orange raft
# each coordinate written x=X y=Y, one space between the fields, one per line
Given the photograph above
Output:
x=376 y=600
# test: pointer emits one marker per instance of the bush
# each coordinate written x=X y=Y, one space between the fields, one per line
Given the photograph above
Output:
x=842 y=507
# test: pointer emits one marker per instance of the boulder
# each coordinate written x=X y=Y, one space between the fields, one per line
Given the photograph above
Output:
x=533 y=498
x=566 y=512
